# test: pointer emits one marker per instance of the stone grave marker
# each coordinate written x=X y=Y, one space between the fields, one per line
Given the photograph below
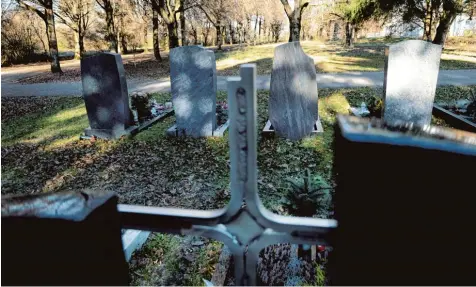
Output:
x=411 y=74
x=105 y=96
x=293 y=95
x=194 y=86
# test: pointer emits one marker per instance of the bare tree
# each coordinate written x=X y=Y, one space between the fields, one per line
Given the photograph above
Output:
x=216 y=12
x=156 y=37
x=276 y=28
x=111 y=35
x=77 y=15
x=294 y=16
x=44 y=9
x=170 y=10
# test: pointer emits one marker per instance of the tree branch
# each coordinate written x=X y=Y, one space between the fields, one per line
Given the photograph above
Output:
x=287 y=8
x=103 y=6
x=208 y=16
x=337 y=15
x=31 y=8
x=67 y=23
x=183 y=9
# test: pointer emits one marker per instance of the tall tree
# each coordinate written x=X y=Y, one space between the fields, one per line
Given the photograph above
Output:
x=427 y=14
x=294 y=16
x=217 y=13
x=155 y=33
x=111 y=35
x=44 y=9
x=183 y=28
x=77 y=15
x=169 y=10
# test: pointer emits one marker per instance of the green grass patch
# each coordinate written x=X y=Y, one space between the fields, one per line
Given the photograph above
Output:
x=54 y=125
x=368 y=55
x=171 y=260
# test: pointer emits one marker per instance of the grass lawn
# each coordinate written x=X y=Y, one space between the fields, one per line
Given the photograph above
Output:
x=41 y=152
x=330 y=57
x=464 y=45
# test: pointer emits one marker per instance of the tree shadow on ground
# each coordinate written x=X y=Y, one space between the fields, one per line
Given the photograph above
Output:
x=454 y=64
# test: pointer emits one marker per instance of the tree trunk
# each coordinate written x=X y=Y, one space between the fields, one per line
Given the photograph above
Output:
x=124 y=44
x=195 y=37
x=259 y=30
x=77 y=51
x=232 y=34
x=182 y=24
x=219 y=36
x=349 y=35
x=81 y=44
x=111 y=36
x=294 y=26
x=173 y=35
x=155 y=35
x=52 y=42
x=443 y=28
x=146 y=42
x=427 y=23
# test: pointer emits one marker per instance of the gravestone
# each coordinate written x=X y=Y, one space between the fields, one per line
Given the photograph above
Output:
x=293 y=94
x=411 y=74
x=105 y=95
x=194 y=86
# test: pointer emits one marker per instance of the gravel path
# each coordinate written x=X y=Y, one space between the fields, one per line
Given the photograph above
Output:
x=337 y=80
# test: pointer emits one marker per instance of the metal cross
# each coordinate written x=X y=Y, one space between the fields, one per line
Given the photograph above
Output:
x=245 y=225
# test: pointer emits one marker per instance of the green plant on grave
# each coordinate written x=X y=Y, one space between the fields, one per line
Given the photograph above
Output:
x=320 y=279
x=308 y=196
x=375 y=105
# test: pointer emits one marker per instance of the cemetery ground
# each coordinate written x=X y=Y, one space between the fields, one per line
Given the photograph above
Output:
x=329 y=57
x=41 y=152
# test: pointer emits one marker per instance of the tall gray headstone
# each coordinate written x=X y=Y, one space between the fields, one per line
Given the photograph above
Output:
x=293 y=95
x=411 y=74
x=194 y=87
x=105 y=95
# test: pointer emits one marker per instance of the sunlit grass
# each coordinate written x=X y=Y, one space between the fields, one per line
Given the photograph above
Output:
x=331 y=57
x=55 y=127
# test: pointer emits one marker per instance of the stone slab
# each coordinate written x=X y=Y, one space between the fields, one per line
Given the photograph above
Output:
x=293 y=109
x=411 y=75
x=105 y=95
x=194 y=85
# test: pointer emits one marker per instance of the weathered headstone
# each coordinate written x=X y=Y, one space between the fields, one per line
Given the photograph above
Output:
x=194 y=85
x=105 y=95
x=293 y=95
x=411 y=74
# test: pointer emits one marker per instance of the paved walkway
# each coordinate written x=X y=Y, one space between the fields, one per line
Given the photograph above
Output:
x=338 y=80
